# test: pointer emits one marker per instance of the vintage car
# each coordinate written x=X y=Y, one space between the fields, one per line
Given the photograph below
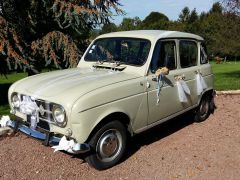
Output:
x=124 y=84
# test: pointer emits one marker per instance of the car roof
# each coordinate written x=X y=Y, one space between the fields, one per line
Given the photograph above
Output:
x=152 y=34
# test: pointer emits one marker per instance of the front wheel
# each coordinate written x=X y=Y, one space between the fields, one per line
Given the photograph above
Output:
x=108 y=145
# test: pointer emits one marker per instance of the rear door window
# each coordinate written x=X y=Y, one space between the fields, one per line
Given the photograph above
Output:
x=188 y=51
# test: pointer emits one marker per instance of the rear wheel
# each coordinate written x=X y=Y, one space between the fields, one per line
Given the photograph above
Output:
x=108 y=145
x=203 y=111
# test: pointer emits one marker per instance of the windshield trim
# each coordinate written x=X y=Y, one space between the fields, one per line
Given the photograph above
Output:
x=132 y=38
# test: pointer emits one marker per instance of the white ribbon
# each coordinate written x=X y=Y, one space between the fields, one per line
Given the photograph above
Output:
x=201 y=84
x=5 y=121
x=159 y=84
x=183 y=89
x=30 y=107
x=65 y=145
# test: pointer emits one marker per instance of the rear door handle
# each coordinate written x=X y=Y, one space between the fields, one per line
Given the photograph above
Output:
x=179 y=77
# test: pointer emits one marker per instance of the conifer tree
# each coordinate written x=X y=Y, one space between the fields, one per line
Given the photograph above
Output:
x=54 y=31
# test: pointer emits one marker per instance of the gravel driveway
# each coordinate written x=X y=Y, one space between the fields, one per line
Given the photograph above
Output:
x=179 y=149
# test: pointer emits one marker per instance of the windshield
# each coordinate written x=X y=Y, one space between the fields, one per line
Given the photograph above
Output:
x=121 y=50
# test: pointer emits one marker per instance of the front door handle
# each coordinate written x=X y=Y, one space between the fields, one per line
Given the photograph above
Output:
x=154 y=79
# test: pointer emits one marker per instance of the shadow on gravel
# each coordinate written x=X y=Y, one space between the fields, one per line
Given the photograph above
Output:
x=152 y=135
x=157 y=133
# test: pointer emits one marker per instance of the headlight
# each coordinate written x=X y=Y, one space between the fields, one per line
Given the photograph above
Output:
x=59 y=115
x=16 y=101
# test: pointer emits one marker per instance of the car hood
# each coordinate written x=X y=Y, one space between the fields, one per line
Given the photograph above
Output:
x=69 y=84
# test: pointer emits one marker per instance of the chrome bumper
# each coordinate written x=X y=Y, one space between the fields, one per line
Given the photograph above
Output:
x=47 y=137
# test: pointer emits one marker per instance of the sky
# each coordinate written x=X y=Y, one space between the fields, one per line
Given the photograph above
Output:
x=171 y=8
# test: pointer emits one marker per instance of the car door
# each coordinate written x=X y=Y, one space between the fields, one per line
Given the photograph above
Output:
x=165 y=55
x=188 y=67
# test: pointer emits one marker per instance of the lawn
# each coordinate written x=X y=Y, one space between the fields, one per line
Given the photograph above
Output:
x=5 y=83
x=227 y=77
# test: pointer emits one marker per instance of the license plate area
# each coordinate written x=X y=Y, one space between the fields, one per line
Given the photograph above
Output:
x=41 y=124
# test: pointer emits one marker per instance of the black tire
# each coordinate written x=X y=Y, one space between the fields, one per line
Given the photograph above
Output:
x=203 y=110
x=108 y=145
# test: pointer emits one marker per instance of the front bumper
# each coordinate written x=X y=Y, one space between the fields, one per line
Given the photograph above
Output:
x=45 y=136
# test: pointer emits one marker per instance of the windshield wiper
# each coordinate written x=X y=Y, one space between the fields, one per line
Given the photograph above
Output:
x=115 y=62
x=114 y=65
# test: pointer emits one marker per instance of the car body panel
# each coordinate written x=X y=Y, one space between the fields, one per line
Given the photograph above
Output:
x=89 y=94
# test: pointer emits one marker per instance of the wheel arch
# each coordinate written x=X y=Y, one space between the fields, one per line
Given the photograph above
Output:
x=209 y=92
x=120 y=116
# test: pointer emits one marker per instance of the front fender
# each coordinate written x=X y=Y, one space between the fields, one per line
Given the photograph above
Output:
x=135 y=107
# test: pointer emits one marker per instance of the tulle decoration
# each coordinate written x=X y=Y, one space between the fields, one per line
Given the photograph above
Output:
x=67 y=145
x=28 y=106
x=183 y=89
x=201 y=84
x=4 y=121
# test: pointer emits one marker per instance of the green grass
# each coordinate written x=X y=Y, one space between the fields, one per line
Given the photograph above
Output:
x=5 y=83
x=227 y=76
x=4 y=110
x=11 y=78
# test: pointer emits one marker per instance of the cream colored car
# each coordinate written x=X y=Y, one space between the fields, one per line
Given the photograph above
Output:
x=125 y=83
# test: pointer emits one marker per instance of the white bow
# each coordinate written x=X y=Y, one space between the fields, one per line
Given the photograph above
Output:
x=183 y=89
x=65 y=145
x=201 y=84
x=4 y=121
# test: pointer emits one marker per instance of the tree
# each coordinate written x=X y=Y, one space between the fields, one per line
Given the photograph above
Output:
x=107 y=28
x=221 y=32
x=192 y=24
x=230 y=44
x=129 y=24
x=216 y=8
x=189 y=20
x=193 y=17
x=176 y=26
x=155 y=20
x=52 y=30
x=202 y=16
x=184 y=15
x=218 y=27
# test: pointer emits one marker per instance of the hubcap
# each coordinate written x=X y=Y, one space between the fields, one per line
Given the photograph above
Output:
x=109 y=145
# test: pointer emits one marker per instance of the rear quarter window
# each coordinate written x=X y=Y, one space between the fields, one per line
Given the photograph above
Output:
x=203 y=54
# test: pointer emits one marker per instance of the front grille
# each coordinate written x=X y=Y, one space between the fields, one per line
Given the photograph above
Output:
x=41 y=124
x=44 y=113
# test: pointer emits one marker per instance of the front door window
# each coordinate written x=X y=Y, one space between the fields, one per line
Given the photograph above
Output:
x=164 y=56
